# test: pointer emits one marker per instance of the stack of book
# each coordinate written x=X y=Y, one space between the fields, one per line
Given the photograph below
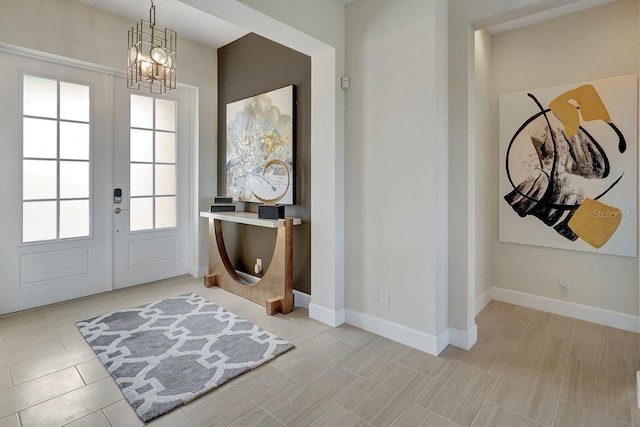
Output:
x=223 y=204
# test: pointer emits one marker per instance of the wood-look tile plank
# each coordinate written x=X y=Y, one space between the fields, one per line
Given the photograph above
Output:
x=457 y=392
x=41 y=334
x=121 y=414
x=487 y=311
x=20 y=323
x=77 y=404
x=530 y=383
x=508 y=320
x=71 y=339
x=303 y=402
x=54 y=362
x=367 y=360
x=22 y=396
x=420 y=361
x=381 y=398
x=319 y=350
x=10 y=421
x=599 y=389
x=96 y=419
x=354 y=336
x=5 y=379
x=551 y=324
x=257 y=418
x=492 y=415
x=490 y=353
x=416 y=416
x=231 y=401
x=15 y=355
x=92 y=371
x=570 y=415
x=291 y=330
x=175 y=418
x=338 y=416
x=597 y=344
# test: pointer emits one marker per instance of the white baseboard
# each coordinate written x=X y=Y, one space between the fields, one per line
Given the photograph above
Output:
x=324 y=315
x=463 y=339
x=413 y=338
x=587 y=313
x=638 y=388
x=482 y=301
x=199 y=272
x=301 y=299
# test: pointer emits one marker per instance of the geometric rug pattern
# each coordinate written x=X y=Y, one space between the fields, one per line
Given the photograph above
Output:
x=166 y=353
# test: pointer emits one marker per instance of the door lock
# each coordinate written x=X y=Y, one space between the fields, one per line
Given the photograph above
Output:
x=117 y=196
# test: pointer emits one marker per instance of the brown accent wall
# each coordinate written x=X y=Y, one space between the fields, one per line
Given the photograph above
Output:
x=250 y=66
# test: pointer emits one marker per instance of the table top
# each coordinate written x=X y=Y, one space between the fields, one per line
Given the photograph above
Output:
x=248 y=218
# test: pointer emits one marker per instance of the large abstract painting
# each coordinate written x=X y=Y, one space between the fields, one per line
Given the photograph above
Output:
x=569 y=166
x=260 y=148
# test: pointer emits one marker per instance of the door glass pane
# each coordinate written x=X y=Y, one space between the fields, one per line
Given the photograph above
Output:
x=40 y=97
x=141 y=214
x=39 y=138
x=39 y=179
x=74 y=141
x=165 y=115
x=141 y=180
x=141 y=112
x=165 y=212
x=74 y=102
x=74 y=180
x=165 y=180
x=141 y=145
x=165 y=147
x=74 y=218
x=38 y=221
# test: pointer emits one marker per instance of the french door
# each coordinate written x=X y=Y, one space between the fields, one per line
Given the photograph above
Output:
x=56 y=162
x=68 y=138
x=152 y=164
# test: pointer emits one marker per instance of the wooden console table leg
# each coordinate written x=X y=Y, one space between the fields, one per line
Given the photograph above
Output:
x=287 y=303
x=210 y=280
x=274 y=290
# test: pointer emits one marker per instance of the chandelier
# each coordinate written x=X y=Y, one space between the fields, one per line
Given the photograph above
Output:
x=152 y=56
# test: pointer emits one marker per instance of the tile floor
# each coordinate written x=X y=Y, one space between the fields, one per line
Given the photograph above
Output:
x=528 y=368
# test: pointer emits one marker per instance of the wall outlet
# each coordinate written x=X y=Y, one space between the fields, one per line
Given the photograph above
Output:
x=565 y=284
x=384 y=300
x=258 y=267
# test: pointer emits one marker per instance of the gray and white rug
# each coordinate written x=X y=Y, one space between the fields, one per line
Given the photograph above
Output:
x=166 y=353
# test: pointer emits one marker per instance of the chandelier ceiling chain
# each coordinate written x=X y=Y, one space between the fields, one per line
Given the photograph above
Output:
x=152 y=55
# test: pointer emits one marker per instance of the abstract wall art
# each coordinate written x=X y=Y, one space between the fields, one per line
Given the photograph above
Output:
x=260 y=145
x=568 y=166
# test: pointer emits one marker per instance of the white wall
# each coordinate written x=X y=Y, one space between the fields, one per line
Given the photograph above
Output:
x=395 y=133
x=465 y=16
x=485 y=164
x=78 y=31
x=592 y=44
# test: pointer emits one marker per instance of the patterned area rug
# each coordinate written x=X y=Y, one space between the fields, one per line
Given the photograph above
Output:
x=164 y=354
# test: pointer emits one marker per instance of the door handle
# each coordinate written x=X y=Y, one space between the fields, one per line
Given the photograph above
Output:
x=118 y=210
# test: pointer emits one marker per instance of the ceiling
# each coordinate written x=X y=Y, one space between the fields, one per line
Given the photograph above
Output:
x=187 y=21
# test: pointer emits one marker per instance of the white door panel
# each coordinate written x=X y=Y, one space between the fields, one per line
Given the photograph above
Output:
x=40 y=273
x=152 y=168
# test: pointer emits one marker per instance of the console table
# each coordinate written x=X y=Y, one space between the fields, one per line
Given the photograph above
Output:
x=275 y=289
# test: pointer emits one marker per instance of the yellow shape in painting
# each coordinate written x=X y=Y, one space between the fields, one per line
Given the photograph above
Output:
x=595 y=222
x=591 y=107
